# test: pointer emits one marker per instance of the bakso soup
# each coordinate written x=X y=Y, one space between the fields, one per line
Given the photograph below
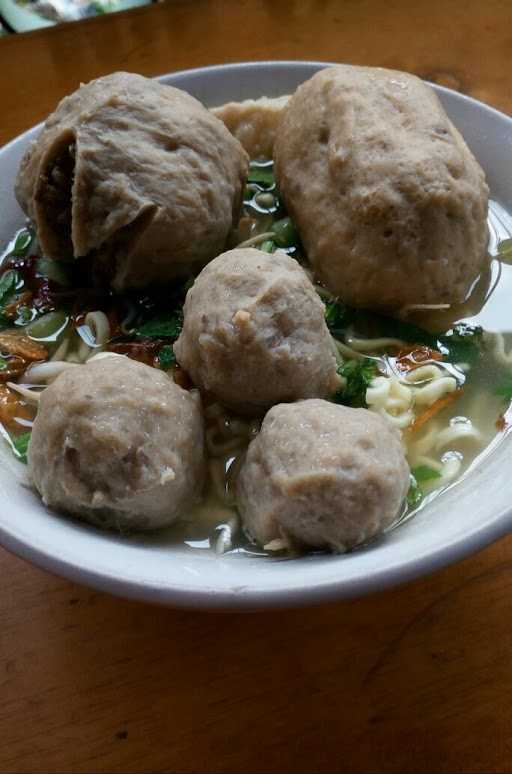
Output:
x=270 y=360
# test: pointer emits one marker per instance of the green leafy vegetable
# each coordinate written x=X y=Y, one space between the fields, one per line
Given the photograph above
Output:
x=425 y=473
x=504 y=388
x=22 y=243
x=419 y=475
x=162 y=327
x=166 y=357
x=261 y=175
x=3 y=364
x=358 y=375
x=20 y=446
x=8 y=283
x=285 y=233
x=414 y=495
x=338 y=317
x=463 y=344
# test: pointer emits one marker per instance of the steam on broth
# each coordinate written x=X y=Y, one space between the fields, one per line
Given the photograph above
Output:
x=442 y=375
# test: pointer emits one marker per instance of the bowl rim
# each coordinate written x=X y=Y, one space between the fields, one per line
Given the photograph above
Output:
x=245 y=597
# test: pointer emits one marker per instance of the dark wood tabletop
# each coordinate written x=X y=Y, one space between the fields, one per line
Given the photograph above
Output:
x=416 y=679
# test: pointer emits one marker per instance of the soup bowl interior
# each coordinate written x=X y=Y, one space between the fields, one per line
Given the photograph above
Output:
x=463 y=519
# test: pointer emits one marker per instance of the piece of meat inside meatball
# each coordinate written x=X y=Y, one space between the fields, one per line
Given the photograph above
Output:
x=254 y=332
x=138 y=176
x=321 y=475
x=118 y=444
x=390 y=204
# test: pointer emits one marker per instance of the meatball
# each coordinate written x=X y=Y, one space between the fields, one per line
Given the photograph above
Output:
x=138 y=176
x=118 y=444
x=254 y=122
x=254 y=332
x=389 y=202
x=322 y=475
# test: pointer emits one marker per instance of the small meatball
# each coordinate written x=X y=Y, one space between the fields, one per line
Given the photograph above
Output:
x=254 y=332
x=138 y=176
x=389 y=202
x=322 y=475
x=254 y=123
x=118 y=444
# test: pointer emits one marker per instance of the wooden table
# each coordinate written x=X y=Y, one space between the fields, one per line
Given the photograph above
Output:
x=417 y=679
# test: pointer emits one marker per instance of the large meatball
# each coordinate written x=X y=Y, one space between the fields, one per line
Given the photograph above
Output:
x=254 y=123
x=137 y=175
x=118 y=444
x=390 y=203
x=254 y=332
x=322 y=475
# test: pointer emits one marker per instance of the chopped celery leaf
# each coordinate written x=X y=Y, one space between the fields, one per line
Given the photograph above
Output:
x=22 y=243
x=357 y=374
x=162 y=327
x=166 y=357
x=425 y=473
x=20 y=446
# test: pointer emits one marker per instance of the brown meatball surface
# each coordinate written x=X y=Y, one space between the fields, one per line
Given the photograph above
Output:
x=135 y=174
x=322 y=475
x=254 y=332
x=389 y=201
x=118 y=444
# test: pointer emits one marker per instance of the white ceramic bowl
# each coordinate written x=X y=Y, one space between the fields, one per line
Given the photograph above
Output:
x=471 y=514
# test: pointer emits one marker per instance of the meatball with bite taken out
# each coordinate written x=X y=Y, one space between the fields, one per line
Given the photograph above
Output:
x=118 y=444
x=254 y=332
x=137 y=177
x=389 y=201
x=321 y=475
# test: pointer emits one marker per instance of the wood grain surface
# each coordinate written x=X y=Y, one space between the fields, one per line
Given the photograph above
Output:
x=417 y=679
